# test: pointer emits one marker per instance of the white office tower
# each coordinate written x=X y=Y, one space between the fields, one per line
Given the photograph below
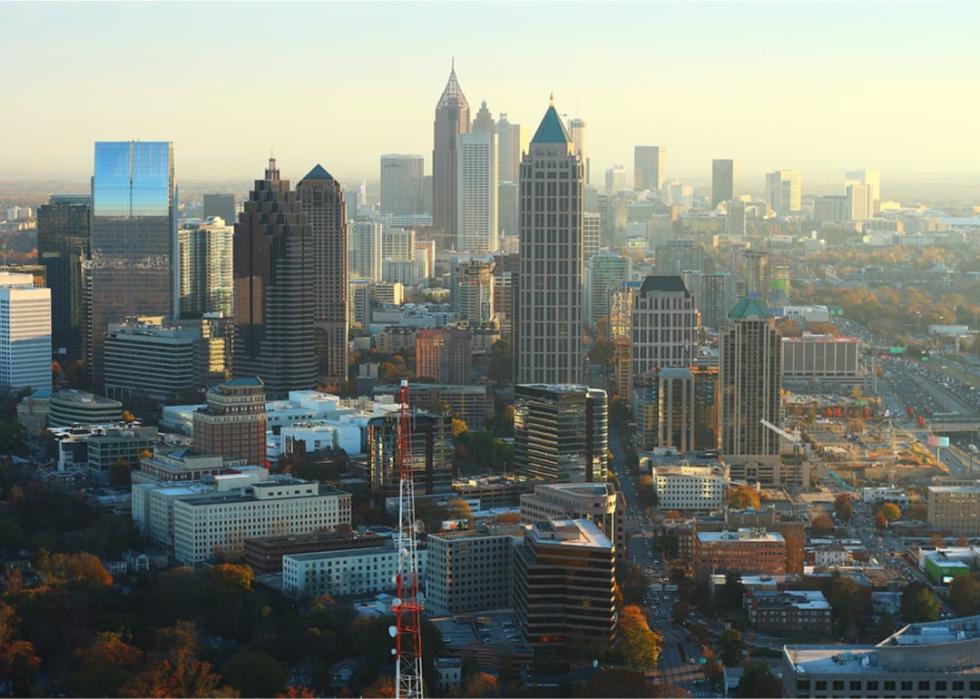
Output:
x=364 y=250
x=871 y=178
x=476 y=188
x=579 y=131
x=591 y=230
x=510 y=142
x=616 y=180
x=549 y=343
x=25 y=334
x=783 y=191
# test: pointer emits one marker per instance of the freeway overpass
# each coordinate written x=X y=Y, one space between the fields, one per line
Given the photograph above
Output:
x=951 y=425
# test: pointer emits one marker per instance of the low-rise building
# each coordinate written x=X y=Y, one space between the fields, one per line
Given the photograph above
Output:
x=98 y=447
x=822 y=358
x=344 y=572
x=741 y=551
x=805 y=611
x=70 y=406
x=264 y=554
x=687 y=487
x=884 y=494
x=954 y=508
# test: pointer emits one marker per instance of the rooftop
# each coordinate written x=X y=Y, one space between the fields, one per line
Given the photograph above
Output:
x=664 y=283
x=570 y=532
x=318 y=173
x=742 y=535
x=748 y=308
x=551 y=129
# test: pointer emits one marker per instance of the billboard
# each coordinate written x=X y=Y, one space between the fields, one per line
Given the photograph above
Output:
x=935 y=441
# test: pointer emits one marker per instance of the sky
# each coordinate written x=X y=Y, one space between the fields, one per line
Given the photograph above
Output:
x=822 y=87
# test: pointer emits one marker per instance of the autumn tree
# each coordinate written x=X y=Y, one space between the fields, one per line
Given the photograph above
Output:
x=638 y=645
x=843 y=508
x=822 y=524
x=481 y=684
x=460 y=509
x=890 y=511
x=256 y=674
x=633 y=582
x=918 y=604
x=964 y=594
x=616 y=682
x=106 y=664
x=381 y=688
x=743 y=497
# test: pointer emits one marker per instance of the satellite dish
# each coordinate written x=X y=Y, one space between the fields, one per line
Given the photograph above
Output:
x=392 y=631
x=394 y=652
x=396 y=603
x=419 y=526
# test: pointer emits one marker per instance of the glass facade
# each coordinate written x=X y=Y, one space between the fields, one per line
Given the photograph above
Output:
x=134 y=234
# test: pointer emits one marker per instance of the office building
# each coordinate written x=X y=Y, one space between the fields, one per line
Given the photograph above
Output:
x=471 y=570
x=510 y=142
x=212 y=524
x=344 y=572
x=793 y=611
x=549 y=333
x=402 y=185
x=822 y=358
x=431 y=452
x=675 y=409
x=233 y=424
x=472 y=291
x=742 y=551
x=578 y=130
x=872 y=180
x=564 y=590
x=679 y=256
x=664 y=325
x=750 y=382
x=443 y=355
x=134 y=263
x=365 y=250
x=274 y=300
x=452 y=120
x=397 y=243
x=70 y=406
x=859 y=202
x=831 y=208
x=954 y=508
x=591 y=234
x=648 y=167
x=931 y=659
x=108 y=445
x=600 y=503
x=706 y=407
x=25 y=334
x=714 y=301
x=616 y=180
x=722 y=181
x=220 y=206
x=736 y=223
x=508 y=208
x=561 y=432
x=476 y=191
x=146 y=357
x=470 y=403
x=321 y=199
x=206 y=276
x=63 y=237
x=756 y=273
x=783 y=191
x=690 y=488
x=604 y=272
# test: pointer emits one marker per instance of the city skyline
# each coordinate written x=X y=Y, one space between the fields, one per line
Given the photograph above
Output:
x=803 y=116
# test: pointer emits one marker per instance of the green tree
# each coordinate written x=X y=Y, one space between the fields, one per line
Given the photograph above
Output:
x=918 y=604
x=732 y=592
x=680 y=611
x=847 y=599
x=964 y=594
x=616 y=682
x=730 y=645
x=669 y=545
x=500 y=367
x=758 y=681
x=638 y=644
x=633 y=582
x=256 y=674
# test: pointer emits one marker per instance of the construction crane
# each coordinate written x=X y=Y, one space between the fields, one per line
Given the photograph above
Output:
x=407 y=605
x=792 y=437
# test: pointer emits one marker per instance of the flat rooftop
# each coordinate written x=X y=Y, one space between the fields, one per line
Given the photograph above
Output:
x=742 y=535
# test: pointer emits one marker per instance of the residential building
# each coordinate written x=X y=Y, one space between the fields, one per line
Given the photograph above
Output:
x=322 y=203
x=722 y=181
x=402 y=185
x=443 y=355
x=212 y=524
x=750 y=382
x=431 y=452
x=741 y=551
x=472 y=290
x=561 y=432
x=648 y=167
x=549 y=332
x=821 y=358
x=476 y=192
x=63 y=237
x=397 y=243
x=219 y=206
x=791 y=611
x=233 y=425
x=134 y=264
x=274 y=299
x=664 y=324
x=783 y=192
x=365 y=251
x=690 y=488
x=25 y=334
x=206 y=278
x=471 y=570
x=564 y=590
x=604 y=272
x=344 y=572
x=714 y=301
x=600 y=503
x=70 y=406
x=954 y=508
x=452 y=120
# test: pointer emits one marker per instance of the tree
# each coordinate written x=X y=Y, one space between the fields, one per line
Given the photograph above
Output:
x=231 y=577
x=822 y=524
x=743 y=497
x=890 y=511
x=846 y=598
x=758 y=681
x=638 y=644
x=13 y=438
x=964 y=594
x=460 y=509
x=679 y=612
x=669 y=545
x=732 y=592
x=500 y=367
x=459 y=427
x=730 y=645
x=843 y=508
x=633 y=582
x=616 y=682
x=481 y=684
x=256 y=674
x=106 y=664
x=127 y=416
x=382 y=688
x=880 y=520
x=918 y=604
x=82 y=569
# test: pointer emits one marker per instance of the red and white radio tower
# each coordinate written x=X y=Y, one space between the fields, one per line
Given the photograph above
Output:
x=407 y=606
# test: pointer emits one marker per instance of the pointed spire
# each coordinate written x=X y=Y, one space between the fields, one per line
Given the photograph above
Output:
x=453 y=95
x=551 y=129
x=318 y=173
x=551 y=100
x=272 y=172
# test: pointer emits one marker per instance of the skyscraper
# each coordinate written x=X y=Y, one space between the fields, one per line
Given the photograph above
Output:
x=616 y=180
x=364 y=253
x=722 y=181
x=452 y=119
x=443 y=355
x=604 y=272
x=783 y=191
x=322 y=202
x=220 y=205
x=713 y=301
x=483 y=121
x=510 y=138
x=664 y=325
x=476 y=194
x=871 y=178
x=579 y=132
x=756 y=273
x=549 y=348
x=63 y=232
x=206 y=268
x=134 y=236
x=860 y=202
x=750 y=381
x=591 y=233
x=472 y=292
x=401 y=185
x=25 y=334
x=274 y=299
x=648 y=167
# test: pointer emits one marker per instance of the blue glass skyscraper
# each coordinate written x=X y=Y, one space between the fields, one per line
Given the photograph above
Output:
x=134 y=235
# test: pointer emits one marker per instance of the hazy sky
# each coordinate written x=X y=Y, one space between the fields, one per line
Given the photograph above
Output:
x=822 y=87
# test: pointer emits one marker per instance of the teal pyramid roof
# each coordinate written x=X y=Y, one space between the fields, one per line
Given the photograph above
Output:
x=318 y=173
x=551 y=129
x=749 y=308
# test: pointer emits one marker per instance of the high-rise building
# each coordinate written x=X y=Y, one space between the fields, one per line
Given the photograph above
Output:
x=549 y=334
x=687 y=408
x=722 y=181
x=397 y=243
x=233 y=423
x=63 y=232
x=364 y=253
x=579 y=132
x=591 y=232
x=561 y=432
x=444 y=355
x=274 y=297
x=472 y=292
x=146 y=357
x=714 y=301
x=452 y=119
x=756 y=273
x=25 y=334
x=600 y=503
x=750 y=380
x=322 y=202
x=510 y=141
x=604 y=272
x=860 y=205
x=664 y=325
x=783 y=192
x=870 y=178
x=679 y=256
x=706 y=406
x=471 y=570
x=648 y=167
x=736 y=218
x=220 y=206
x=206 y=278
x=616 y=180
x=401 y=185
x=508 y=208
x=476 y=193
x=431 y=448
x=483 y=121
x=134 y=236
